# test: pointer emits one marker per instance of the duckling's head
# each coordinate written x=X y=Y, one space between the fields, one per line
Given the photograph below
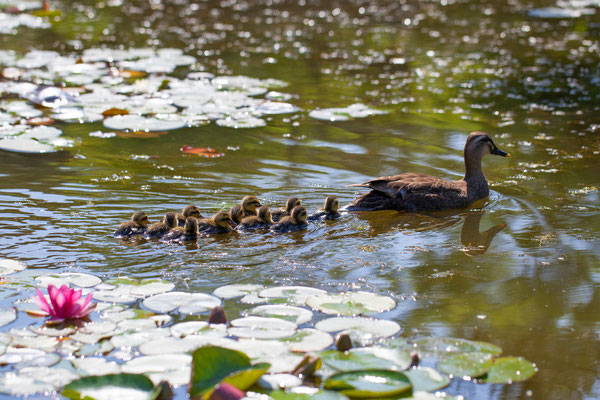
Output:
x=331 y=204
x=250 y=203
x=236 y=214
x=191 y=226
x=140 y=218
x=264 y=214
x=170 y=219
x=479 y=144
x=299 y=215
x=291 y=203
x=191 y=211
x=222 y=219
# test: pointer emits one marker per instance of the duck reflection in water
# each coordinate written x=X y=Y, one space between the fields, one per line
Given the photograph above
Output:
x=473 y=240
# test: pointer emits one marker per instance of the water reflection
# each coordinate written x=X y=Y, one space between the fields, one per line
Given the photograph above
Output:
x=476 y=242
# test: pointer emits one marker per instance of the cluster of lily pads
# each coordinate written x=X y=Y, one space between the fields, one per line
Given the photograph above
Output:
x=130 y=90
x=143 y=337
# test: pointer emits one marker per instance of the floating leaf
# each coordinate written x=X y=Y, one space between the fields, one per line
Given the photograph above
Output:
x=308 y=339
x=351 y=303
x=463 y=365
x=174 y=368
x=364 y=329
x=201 y=151
x=366 y=358
x=426 y=379
x=8 y=266
x=296 y=315
x=296 y=295
x=307 y=393
x=68 y=278
x=279 y=381
x=111 y=112
x=110 y=387
x=369 y=383
x=39 y=121
x=262 y=328
x=236 y=290
x=213 y=365
x=7 y=315
x=137 y=123
x=96 y=366
x=510 y=370
x=185 y=303
x=455 y=345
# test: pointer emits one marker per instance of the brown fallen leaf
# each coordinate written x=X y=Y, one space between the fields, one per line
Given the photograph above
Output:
x=127 y=74
x=201 y=151
x=37 y=121
x=111 y=112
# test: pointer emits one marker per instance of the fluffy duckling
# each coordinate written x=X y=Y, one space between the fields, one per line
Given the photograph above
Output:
x=249 y=206
x=294 y=222
x=183 y=233
x=188 y=211
x=160 y=229
x=286 y=211
x=219 y=223
x=137 y=225
x=236 y=214
x=329 y=211
x=263 y=220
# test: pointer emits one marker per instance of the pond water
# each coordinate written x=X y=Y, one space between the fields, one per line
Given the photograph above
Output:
x=520 y=270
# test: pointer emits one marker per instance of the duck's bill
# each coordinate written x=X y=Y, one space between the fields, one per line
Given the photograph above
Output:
x=499 y=152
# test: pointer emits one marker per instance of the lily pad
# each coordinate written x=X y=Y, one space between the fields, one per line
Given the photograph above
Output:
x=369 y=383
x=174 y=368
x=426 y=379
x=68 y=278
x=183 y=329
x=510 y=370
x=306 y=393
x=7 y=315
x=465 y=365
x=455 y=345
x=96 y=366
x=110 y=387
x=236 y=290
x=18 y=385
x=132 y=339
x=186 y=303
x=296 y=315
x=295 y=295
x=238 y=123
x=279 y=381
x=8 y=266
x=351 y=303
x=262 y=328
x=143 y=124
x=366 y=358
x=213 y=365
x=308 y=339
x=363 y=328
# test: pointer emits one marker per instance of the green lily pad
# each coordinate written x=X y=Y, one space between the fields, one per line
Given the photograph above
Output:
x=174 y=368
x=295 y=295
x=366 y=358
x=463 y=365
x=68 y=278
x=351 y=303
x=369 y=383
x=510 y=370
x=308 y=339
x=361 y=328
x=236 y=290
x=306 y=393
x=212 y=365
x=113 y=386
x=456 y=345
x=426 y=379
x=296 y=315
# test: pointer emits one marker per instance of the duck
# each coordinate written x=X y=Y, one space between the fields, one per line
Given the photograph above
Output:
x=249 y=206
x=236 y=214
x=183 y=233
x=262 y=220
x=188 y=211
x=136 y=226
x=159 y=229
x=419 y=192
x=286 y=211
x=294 y=222
x=219 y=223
x=329 y=211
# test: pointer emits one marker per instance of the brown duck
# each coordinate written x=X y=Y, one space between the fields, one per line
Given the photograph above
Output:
x=287 y=210
x=236 y=214
x=420 y=192
x=262 y=220
x=136 y=226
x=329 y=211
x=183 y=233
x=294 y=222
x=249 y=206
x=159 y=229
x=188 y=211
x=219 y=223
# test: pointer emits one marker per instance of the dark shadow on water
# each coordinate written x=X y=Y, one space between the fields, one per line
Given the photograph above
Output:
x=476 y=242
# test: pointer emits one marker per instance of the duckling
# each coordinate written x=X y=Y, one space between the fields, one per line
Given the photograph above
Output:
x=159 y=229
x=236 y=214
x=420 y=192
x=329 y=211
x=183 y=233
x=219 y=223
x=188 y=211
x=285 y=212
x=137 y=225
x=249 y=206
x=263 y=220
x=294 y=222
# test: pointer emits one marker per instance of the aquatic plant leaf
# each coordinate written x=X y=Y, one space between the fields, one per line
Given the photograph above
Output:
x=238 y=123
x=279 y=381
x=137 y=123
x=366 y=358
x=96 y=366
x=455 y=345
x=7 y=315
x=369 y=383
x=18 y=385
x=350 y=303
x=174 y=368
x=8 y=266
x=510 y=370
x=212 y=365
x=185 y=303
x=306 y=393
x=296 y=315
x=308 y=339
x=426 y=379
x=25 y=145
x=262 y=328
x=236 y=290
x=295 y=295
x=362 y=328
x=463 y=365
x=112 y=386
x=68 y=278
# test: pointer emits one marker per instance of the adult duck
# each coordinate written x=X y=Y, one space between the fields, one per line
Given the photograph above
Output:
x=419 y=192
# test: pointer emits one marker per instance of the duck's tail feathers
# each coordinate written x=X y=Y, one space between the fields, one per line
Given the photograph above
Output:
x=359 y=185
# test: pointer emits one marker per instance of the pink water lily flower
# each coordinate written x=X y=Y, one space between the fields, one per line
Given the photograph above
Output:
x=66 y=303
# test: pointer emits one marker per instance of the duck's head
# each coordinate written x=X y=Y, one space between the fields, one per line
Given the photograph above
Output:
x=299 y=215
x=264 y=214
x=170 y=219
x=222 y=219
x=479 y=144
x=250 y=203
x=140 y=218
x=191 y=226
x=191 y=211
x=291 y=203
x=331 y=204
x=236 y=214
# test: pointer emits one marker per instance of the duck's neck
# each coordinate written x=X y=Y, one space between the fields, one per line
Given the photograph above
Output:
x=473 y=168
